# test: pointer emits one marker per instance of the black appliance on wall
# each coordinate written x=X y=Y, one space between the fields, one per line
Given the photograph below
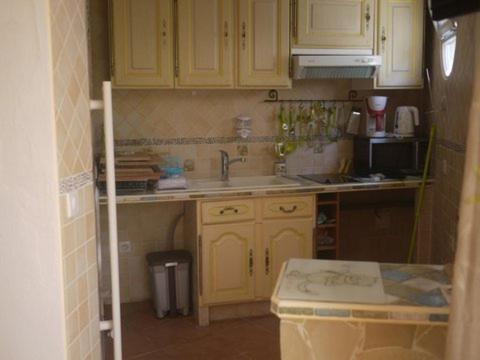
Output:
x=444 y=9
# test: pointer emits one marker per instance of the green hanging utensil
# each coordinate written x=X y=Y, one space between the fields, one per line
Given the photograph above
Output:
x=421 y=194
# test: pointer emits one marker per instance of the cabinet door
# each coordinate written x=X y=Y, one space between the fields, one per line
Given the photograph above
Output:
x=264 y=43
x=143 y=43
x=205 y=43
x=227 y=262
x=335 y=23
x=400 y=42
x=283 y=240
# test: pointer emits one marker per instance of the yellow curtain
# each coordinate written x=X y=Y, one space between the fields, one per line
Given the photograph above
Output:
x=463 y=341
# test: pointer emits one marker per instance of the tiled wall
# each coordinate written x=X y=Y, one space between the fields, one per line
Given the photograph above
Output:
x=451 y=100
x=148 y=228
x=74 y=155
x=81 y=278
x=196 y=124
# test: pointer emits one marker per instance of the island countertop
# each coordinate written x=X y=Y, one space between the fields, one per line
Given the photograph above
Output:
x=362 y=291
x=302 y=186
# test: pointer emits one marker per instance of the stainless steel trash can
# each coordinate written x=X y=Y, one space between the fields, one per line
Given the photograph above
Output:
x=170 y=281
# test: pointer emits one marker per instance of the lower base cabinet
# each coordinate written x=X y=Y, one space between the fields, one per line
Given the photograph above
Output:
x=227 y=262
x=240 y=261
x=283 y=240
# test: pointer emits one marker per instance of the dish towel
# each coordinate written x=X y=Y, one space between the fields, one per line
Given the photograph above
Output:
x=177 y=182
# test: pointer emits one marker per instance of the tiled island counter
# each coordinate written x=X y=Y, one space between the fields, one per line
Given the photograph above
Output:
x=340 y=310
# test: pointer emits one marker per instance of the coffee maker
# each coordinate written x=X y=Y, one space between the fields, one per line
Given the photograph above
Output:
x=376 y=115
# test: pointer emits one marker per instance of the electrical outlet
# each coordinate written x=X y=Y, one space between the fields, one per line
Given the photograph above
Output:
x=125 y=247
x=73 y=204
x=444 y=167
x=189 y=165
x=242 y=150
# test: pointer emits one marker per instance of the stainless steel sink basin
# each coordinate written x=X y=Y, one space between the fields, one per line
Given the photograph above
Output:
x=241 y=183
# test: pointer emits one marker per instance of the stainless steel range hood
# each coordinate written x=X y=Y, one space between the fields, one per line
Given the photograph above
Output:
x=335 y=66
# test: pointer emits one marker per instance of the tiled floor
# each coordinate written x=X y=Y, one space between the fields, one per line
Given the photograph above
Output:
x=147 y=338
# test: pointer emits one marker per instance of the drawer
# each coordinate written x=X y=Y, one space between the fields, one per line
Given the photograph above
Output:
x=284 y=207
x=227 y=211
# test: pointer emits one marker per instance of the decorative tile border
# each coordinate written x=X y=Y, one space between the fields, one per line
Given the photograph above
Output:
x=75 y=182
x=452 y=145
x=207 y=140
x=361 y=315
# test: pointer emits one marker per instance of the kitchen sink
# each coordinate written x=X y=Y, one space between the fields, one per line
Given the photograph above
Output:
x=242 y=183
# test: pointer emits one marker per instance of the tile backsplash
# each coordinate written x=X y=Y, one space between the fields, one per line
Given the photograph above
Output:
x=195 y=125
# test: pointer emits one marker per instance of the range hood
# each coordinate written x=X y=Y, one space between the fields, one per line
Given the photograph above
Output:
x=335 y=66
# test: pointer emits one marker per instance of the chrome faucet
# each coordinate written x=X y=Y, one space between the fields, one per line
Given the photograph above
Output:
x=226 y=162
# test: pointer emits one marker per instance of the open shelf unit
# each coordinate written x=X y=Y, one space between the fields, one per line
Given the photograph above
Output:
x=327 y=232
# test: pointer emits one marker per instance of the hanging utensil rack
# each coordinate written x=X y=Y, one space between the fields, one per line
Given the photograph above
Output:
x=273 y=98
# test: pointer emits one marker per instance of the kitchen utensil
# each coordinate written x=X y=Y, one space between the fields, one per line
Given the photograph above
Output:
x=406 y=118
x=354 y=122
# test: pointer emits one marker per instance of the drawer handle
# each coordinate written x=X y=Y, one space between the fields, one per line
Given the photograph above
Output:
x=288 y=211
x=228 y=209
x=267 y=262
x=250 y=262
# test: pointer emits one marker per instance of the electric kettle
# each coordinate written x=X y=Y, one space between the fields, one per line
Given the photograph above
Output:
x=406 y=118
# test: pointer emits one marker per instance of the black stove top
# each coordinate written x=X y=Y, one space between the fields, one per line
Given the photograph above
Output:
x=328 y=179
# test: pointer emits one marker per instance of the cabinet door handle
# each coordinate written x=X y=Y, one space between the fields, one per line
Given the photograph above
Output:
x=175 y=34
x=228 y=209
x=244 y=35
x=225 y=31
x=200 y=265
x=288 y=211
x=294 y=18
x=267 y=262
x=368 y=17
x=250 y=262
x=384 y=38
x=164 y=32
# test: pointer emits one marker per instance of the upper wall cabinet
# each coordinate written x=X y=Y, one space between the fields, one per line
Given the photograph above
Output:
x=263 y=41
x=400 y=42
x=205 y=43
x=143 y=43
x=334 y=24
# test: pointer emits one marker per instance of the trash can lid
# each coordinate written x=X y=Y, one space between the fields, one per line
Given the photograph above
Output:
x=163 y=257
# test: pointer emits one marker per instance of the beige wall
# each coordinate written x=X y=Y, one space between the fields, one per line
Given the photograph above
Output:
x=452 y=97
x=74 y=158
x=31 y=305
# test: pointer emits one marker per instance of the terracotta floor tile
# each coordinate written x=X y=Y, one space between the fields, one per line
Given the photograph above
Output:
x=147 y=338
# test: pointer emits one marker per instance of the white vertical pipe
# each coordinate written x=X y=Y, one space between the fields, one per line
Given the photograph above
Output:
x=112 y=218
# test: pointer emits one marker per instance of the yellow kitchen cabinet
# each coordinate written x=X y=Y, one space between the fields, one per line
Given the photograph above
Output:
x=263 y=43
x=334 y=24
x=227 y=263
x=205 y=44
x=142 y=43
x=283 y=240
x=400 y=42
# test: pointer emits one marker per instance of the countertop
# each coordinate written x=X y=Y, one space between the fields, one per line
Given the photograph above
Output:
x=304 y=187
x=362 y=291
